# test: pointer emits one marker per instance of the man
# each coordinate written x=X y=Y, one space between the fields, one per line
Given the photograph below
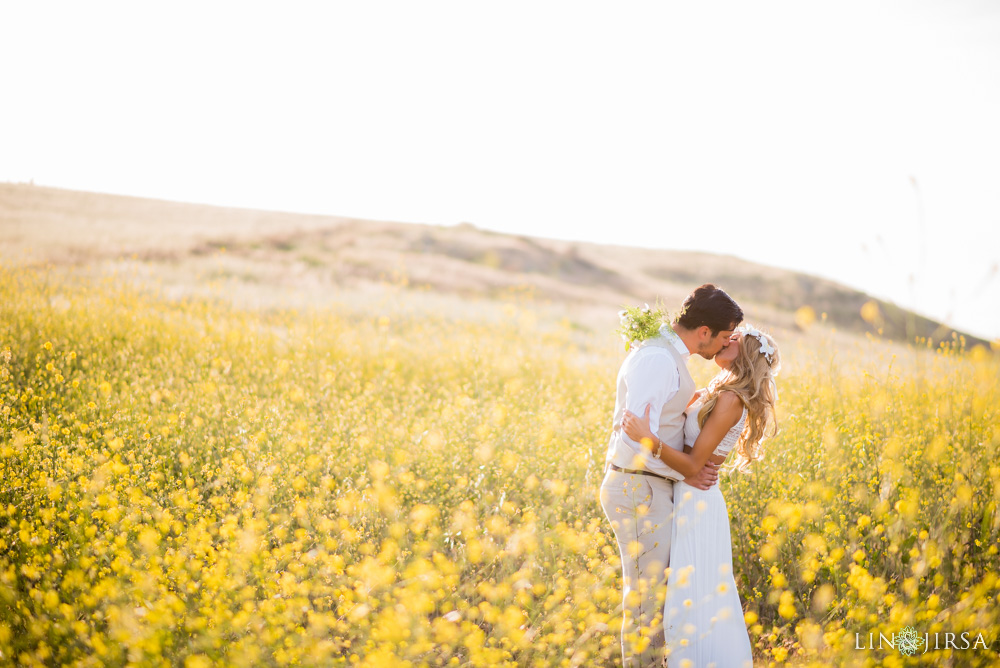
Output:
x=637 y=494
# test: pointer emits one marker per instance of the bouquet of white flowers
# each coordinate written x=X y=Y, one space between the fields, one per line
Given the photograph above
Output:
x=639 y=323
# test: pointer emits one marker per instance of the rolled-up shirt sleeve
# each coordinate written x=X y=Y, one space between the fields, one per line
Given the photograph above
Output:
x=653 y=379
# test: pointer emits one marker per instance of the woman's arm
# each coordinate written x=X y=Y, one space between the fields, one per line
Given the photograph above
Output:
x=727 y=412
x=694 y=397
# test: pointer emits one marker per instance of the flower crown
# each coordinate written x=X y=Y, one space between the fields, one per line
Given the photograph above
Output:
x=766 y=349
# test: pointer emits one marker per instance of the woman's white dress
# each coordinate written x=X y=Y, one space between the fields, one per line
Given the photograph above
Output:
x=703 y=616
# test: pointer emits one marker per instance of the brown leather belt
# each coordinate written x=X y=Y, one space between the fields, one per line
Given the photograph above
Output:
x=638 y=472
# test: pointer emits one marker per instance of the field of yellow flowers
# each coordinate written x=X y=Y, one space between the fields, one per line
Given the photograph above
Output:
x=186 y=483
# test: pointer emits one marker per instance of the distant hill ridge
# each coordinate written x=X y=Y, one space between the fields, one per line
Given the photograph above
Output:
x=80 y=228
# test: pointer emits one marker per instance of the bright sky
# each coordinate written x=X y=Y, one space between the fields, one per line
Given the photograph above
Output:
x=853 y=140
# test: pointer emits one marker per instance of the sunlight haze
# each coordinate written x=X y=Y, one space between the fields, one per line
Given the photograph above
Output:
x=855 y=141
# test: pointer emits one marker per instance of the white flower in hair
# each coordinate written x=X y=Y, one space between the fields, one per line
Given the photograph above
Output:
x=766 y=349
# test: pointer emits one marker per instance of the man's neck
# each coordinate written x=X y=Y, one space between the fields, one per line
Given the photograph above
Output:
x=688 y=336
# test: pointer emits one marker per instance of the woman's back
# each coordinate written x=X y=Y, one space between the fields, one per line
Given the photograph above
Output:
x=691 y=429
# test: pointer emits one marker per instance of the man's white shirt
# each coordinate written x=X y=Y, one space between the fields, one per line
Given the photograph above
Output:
x=652 y=378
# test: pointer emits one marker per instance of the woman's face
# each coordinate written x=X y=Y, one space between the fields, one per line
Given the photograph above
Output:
x=728 y=354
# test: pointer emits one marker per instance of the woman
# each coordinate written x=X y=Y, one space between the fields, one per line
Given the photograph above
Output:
x=703 y=616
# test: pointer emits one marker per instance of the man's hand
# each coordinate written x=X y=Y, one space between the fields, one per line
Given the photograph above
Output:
x=704 y=479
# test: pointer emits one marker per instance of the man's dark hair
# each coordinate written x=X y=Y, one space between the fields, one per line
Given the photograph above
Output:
x=711 y=306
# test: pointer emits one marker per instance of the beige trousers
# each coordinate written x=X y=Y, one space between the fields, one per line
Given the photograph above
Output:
x=640 y=509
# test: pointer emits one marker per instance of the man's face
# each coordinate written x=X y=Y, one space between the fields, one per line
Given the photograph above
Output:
x=709 y=346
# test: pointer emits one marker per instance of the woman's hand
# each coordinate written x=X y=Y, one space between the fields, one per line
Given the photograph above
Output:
x=637 y=428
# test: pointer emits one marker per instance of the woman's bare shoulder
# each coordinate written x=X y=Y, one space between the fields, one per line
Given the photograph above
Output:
x=729 y=400
x=728 y=407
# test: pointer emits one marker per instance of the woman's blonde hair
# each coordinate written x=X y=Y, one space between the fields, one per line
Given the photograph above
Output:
x=751 y=378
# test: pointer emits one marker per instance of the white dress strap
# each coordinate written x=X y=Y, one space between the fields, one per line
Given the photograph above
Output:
x=732 y=436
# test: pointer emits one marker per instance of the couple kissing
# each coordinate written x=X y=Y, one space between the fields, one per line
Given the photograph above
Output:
x=660 y=491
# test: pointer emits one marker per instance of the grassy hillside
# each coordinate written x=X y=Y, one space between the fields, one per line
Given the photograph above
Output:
x=266 y=258
x=393 y=456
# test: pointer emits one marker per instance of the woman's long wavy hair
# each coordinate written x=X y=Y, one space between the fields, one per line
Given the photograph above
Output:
x=751 y=377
